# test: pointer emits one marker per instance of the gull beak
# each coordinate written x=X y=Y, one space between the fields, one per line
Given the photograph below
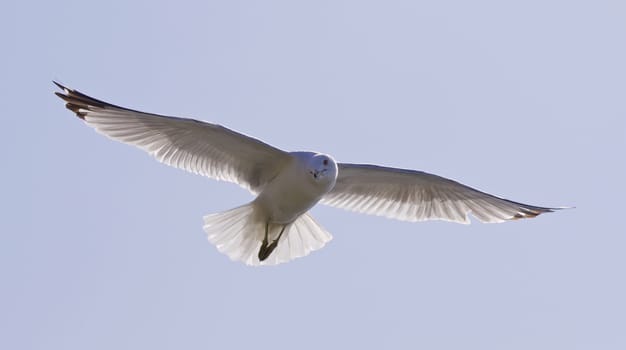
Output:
x=318 y=173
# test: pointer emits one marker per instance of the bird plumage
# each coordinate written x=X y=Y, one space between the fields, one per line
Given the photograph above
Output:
x=217 y=152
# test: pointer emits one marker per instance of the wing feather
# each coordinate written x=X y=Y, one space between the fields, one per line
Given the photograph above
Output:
x=199 y=147
x=416 y=196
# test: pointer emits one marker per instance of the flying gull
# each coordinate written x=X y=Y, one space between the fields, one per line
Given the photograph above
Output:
x=276 y=227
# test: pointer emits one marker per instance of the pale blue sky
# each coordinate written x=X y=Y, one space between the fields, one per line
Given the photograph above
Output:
x=102 y=247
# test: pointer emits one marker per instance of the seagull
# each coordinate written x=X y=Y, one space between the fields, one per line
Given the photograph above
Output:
x=276 y=226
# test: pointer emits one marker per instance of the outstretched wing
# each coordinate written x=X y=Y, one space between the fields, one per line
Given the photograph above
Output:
x=199 y=147
x=416 y=196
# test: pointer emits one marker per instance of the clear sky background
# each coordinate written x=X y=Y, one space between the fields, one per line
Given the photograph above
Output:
x=102 y=246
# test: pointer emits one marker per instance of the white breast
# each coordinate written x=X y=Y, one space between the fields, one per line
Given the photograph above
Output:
x=292 y=193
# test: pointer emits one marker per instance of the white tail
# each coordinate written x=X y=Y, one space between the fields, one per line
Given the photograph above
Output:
x=239 y=232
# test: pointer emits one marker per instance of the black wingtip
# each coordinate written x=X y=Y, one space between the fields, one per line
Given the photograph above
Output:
x=70 y=97
x=59 y=85
x=526 y=213
x=80 y=103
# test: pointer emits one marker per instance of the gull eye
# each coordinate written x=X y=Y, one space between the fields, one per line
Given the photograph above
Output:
x=325 y=162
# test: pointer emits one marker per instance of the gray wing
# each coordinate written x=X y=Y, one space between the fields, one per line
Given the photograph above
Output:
x=199 y=147
x=416 y=196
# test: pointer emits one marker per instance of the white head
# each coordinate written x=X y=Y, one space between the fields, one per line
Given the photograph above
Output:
x=321 y=168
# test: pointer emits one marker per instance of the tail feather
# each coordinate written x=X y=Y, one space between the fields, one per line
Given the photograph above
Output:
x=238 y=233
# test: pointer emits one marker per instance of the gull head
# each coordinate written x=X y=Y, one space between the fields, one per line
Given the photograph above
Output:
x=321 y=168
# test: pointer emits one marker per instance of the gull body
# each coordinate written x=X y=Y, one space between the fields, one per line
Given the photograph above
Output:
x=297 y=188
x=276 y=226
